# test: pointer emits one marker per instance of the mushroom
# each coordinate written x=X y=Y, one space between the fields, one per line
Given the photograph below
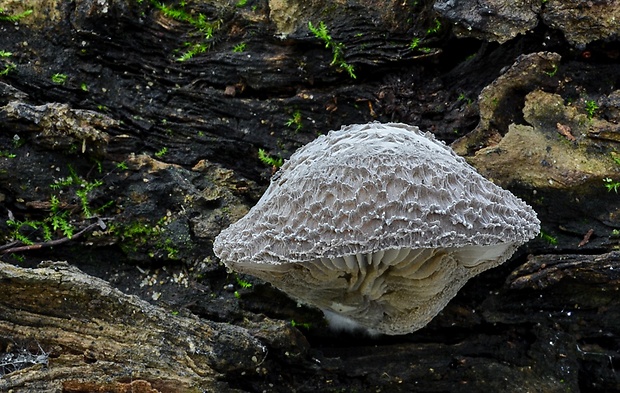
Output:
x=378 y=225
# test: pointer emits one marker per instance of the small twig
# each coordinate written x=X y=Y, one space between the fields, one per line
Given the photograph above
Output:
x=586 y=238
x=50 y=243
x=9 y=245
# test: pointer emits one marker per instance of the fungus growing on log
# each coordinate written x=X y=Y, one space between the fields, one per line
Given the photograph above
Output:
x=378 y=225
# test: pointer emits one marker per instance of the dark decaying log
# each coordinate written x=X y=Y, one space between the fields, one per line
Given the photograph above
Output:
x=134 y=161
x=551 y=327
x=95 y=335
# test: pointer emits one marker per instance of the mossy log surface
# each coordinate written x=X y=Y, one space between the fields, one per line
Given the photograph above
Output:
x=129 y=137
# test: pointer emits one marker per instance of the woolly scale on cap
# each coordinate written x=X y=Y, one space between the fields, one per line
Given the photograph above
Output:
x=380 y=224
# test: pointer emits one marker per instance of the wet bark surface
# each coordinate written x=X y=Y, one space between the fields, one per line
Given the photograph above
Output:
x=129 y=137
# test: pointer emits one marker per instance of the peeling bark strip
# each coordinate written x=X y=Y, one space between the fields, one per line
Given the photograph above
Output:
x=565 y=131
x=94 y=330
x=586 y=238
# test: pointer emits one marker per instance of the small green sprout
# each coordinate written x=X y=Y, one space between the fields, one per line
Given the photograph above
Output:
x=59 y=79
x=348 y=68
x=59 y=220
x=268 y=160
x=5 y=53
x=242 y=283
x=435 y=28
x=241 y=3
x=305 y=325
x=591 y=108
x=82 y=194
x=162 y=152
x=463 y=97
x=193 y=51
x=7 y=68
x=17 y=257
x=611 y=185
x=415 y=43
x=167 y=246
x=122 y=166
x=18 y=225
x=239 y=47
x=548 y=238
x=84 y=86
x=295 y=120
x=321 y=33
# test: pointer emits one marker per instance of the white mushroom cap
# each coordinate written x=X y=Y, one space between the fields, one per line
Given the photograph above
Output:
x=379 y=223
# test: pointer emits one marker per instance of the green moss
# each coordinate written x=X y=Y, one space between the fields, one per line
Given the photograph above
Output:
x=203 y=28
x=15 y=17
x=242 y=283
x=611 y=185
x=337 y=48
x=434 y=28
x=239 y=47
x=463 y=97
x=8 y=67
x=134 y=234
x=295 y=121
x=552 y=240
x=162 y=152
x=305 y=325
x=145 y=237
x=6 y=154
x=62 y=219
x=195 y=49
x=268 y=160
x=591 y=108
x=59 y=79
x=417 y=42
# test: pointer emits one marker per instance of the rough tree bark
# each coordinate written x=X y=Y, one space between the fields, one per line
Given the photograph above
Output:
x=129 y=137
x=98 y=333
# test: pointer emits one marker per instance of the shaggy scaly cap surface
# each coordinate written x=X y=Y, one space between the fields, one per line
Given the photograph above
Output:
x=378 y=223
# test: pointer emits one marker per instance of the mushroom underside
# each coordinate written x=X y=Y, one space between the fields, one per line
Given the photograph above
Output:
x=394 y=291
